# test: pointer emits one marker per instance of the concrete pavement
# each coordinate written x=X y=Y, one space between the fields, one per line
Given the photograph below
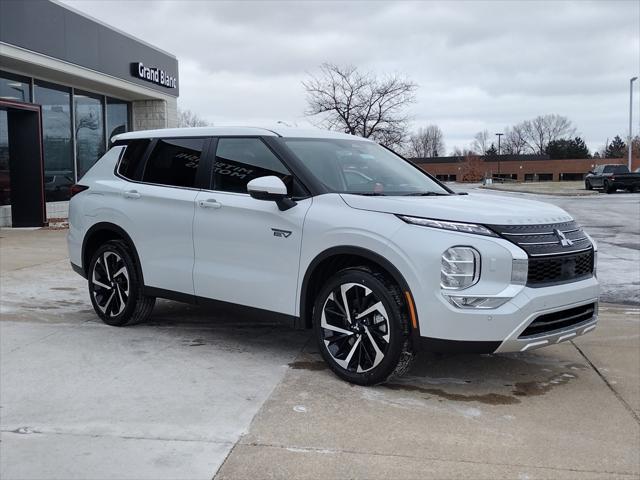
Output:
x=552 y=413
x=194 y=392
x=79 y=399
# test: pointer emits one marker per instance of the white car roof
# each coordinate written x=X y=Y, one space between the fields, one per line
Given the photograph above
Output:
x=276 y=131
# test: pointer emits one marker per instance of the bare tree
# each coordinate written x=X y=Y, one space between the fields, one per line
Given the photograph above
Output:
x=472 y=169
x=514 y=142
x=481 y=142
x=544 y=129
x=426 y=143
x=462 y=152
x=359 y=103
x=187 y=118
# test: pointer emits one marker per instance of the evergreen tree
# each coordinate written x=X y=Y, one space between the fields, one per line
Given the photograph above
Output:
x=567 y=148
x=616 y=148
x=492 y=152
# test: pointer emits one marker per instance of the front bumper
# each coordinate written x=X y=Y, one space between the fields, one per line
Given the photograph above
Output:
x=501 y=329
x=516 y=342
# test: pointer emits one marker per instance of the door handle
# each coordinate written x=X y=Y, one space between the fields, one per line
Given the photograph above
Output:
x=133 y=194
x=209 y=203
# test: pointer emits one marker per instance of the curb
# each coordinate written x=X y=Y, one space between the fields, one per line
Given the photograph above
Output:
x=586 y=193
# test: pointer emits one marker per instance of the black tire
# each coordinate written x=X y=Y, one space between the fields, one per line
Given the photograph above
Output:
x=350 y=352
x=587 y=185
x=608 y=187
x=116 y=291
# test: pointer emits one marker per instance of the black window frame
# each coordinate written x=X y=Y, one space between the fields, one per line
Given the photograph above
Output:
x=204 y=168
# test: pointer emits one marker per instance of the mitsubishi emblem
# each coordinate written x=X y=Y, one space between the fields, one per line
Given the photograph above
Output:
x=564 y=241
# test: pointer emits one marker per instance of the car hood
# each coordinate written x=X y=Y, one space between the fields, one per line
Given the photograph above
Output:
x=483 y=209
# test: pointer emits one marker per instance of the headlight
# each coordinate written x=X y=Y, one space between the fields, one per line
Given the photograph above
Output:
x=444 y=225
x=460 y=268
x=519 y=271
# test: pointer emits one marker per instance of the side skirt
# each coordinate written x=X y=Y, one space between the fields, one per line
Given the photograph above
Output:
x=226 y=307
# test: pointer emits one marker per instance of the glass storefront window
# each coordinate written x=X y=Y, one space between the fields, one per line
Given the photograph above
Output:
x=89 y=125
x=117 y=117
x=14 y=87
x=57 y=139
x=5 y=185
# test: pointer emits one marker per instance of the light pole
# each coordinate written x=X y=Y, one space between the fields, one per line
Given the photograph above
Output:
x=629 y=144
x=499 y=136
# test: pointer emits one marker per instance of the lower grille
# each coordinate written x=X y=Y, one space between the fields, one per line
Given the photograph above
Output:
x=544 y=271
x=550 y=322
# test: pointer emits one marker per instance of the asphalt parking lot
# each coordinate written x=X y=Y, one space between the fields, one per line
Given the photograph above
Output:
x=196 y=393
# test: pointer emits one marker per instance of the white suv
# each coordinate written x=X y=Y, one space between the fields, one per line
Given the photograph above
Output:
x=331 y=232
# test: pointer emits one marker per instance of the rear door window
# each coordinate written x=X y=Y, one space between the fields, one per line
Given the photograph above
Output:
x=174 y=162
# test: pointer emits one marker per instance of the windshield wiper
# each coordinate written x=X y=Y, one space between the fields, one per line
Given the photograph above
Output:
x=371 y=194
x=426 y=194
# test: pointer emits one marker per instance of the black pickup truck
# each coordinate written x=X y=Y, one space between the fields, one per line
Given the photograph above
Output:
x=610 y=178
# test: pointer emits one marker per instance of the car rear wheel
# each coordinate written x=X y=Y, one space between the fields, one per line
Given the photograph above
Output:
x=361 y=327
x=114 y=286
x=608 y=187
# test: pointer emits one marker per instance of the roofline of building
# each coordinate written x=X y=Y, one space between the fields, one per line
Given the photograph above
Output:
x=111 y=27
x=87 y=73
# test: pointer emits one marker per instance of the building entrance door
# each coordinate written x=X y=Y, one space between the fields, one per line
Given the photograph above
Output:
x=21 y=163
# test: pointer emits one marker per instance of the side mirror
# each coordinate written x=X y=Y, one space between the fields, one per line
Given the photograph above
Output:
x=270 y=188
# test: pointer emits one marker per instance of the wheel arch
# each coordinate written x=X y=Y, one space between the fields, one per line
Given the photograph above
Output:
x=334 y=259
x=100 y=233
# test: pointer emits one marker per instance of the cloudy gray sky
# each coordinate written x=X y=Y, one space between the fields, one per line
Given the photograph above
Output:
x=479 y=64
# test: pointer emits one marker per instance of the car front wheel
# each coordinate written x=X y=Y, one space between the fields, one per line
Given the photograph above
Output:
x=361 y=326
x=114 y=286
x=587 y=185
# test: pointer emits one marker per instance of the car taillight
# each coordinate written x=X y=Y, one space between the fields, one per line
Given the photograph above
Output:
x=613 y=177
x=77 y=188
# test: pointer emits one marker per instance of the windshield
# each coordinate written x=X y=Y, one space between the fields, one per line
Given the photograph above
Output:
x=361 y=167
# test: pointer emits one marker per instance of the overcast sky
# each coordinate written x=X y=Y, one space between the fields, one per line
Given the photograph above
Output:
x=479 y=64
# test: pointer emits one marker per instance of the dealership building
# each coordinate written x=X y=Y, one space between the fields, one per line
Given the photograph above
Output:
x=68 y=84
x=518 y=168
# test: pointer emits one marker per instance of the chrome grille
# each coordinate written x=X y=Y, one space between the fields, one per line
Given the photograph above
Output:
x=541 y=240
x=558 y=252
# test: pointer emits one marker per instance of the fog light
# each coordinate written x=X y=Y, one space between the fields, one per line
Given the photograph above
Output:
x=477 y=302
x=519 y=271
x=460 y=268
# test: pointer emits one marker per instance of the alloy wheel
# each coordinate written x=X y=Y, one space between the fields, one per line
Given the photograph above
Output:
x=110 y=284
x=355 y=327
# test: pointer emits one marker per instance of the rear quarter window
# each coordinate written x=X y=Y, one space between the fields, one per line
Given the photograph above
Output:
x=615 y=169
x=130 y=166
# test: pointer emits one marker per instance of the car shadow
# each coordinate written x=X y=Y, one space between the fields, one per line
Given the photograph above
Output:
x=499 y=379
x=496 y=379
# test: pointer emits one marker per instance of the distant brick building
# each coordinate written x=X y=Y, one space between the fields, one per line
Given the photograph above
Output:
x=522 y=168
